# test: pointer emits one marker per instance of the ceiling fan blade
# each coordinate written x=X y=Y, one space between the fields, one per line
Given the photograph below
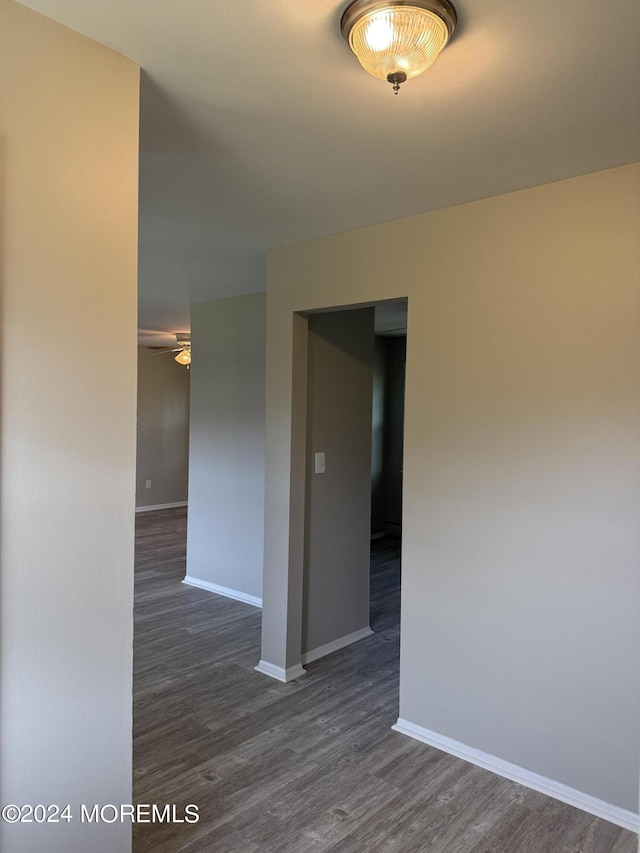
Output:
x=166 y=352
x=161 y=339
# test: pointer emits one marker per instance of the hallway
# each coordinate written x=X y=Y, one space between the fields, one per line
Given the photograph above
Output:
x=312 y=765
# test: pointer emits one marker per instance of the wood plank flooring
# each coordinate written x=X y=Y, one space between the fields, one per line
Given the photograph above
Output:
x=312 y=765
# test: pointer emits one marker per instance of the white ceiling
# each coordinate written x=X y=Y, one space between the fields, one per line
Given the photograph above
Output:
x=258 y=127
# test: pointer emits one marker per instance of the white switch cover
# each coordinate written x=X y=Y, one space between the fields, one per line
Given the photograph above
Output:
x=147 y=485
x=320 y=466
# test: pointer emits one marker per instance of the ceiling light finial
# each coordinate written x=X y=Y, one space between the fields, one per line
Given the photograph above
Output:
x=398 y=39
x=396 y=78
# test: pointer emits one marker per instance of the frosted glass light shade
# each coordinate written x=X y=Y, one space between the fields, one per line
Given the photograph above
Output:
x=398 y=40
x=184 y=357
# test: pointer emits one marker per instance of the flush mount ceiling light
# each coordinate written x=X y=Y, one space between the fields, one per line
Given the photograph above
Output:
x=398 y=39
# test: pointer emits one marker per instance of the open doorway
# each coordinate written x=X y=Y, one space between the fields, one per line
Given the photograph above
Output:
x=387 y=450
x=353 y=496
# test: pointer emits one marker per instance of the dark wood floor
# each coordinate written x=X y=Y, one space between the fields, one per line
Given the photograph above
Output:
x=312 y=765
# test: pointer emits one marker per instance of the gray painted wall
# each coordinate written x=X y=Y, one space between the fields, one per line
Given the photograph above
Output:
x=163 y=429
x=337 y=530
x=226 y=460
x=520 y=629
x=68 y=333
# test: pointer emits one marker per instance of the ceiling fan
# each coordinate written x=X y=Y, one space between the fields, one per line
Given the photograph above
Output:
x=183 y=348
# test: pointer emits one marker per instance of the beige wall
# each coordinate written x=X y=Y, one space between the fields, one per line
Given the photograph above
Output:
x=338 y=510
x=69 y=124
x=520 y=628
x=163 y=430
x=226 y=462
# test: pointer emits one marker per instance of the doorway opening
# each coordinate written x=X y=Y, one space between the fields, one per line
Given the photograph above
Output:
x=387 y=451
x=353 y=496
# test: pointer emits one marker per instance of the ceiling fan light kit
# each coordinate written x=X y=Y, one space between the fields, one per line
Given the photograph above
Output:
x=396 y=40
x=183 y=339
x=184 y=356
x=183 y=348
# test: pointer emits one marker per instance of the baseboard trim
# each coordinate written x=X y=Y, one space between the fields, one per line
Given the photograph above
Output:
x=279 y=673
x=336 y=645
x=235 y=594
x=556 y=790
x=161 y=506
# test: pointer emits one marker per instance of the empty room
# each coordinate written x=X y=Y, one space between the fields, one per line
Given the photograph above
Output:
x=320 y=426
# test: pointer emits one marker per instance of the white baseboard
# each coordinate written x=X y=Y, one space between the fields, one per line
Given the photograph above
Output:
x=578 y=799
x=244 y=597
x=279 y=673
x=336 y=645
x=161 y=506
